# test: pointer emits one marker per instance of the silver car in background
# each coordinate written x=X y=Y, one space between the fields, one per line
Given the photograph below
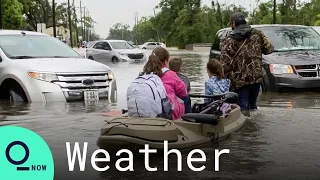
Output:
x=114 y=51
x=152 y=45
x=36 y=67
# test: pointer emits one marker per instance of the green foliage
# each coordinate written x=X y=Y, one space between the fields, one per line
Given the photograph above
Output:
x=182 y=22
x=12 y=14
x=178 y=22
x=119 y=31
x=25 y=14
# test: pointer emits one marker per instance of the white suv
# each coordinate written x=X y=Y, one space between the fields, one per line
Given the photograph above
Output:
x=115 y=51
x=38 y=67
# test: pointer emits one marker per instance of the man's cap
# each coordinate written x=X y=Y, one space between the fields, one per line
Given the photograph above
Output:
x=237 y=17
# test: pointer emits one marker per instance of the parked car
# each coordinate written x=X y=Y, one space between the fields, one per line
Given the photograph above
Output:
x=152 y=45
x=38 y=67
x=115 y=51
x=295 y=63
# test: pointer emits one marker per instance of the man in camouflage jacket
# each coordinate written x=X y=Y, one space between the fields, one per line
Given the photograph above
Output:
x=241 y=56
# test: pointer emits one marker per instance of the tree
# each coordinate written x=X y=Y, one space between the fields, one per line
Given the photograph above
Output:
x=145 y=30
x=95 y=37
x=182 y=22
x=40 y=11
x=120 y=31
x=12 y=14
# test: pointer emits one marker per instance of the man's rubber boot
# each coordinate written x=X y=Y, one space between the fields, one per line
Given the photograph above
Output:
x=246 y=113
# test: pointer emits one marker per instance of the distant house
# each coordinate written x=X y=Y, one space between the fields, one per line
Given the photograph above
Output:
x=62 y=33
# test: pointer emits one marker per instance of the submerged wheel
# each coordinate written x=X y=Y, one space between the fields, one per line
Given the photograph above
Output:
x=114 y=59
x=90 y=57
x=17 y=94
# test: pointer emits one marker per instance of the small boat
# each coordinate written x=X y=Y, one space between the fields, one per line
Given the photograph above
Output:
x=193 y=129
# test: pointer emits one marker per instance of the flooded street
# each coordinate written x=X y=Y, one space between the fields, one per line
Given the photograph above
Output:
x=280 y=142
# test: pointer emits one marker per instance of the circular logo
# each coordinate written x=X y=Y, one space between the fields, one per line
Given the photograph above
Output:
x=88 y=81
x=24 y=155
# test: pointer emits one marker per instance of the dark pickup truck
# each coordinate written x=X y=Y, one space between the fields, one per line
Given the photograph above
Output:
x=295 y=63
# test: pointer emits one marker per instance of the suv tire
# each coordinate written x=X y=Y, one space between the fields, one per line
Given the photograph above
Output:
x=114 y=59
x=17 y=94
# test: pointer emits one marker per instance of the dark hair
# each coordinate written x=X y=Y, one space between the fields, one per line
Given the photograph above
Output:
x=239 y=22
x=238 y=18
x=215 y=68
x=156 y=61
x=175 y=64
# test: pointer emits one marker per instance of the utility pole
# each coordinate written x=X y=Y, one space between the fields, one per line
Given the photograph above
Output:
x=274 y=11
x=81 y=20
x=1 y=26
x=139 y=38
x=54 y=18
x=89 y=26
x=70 y=24
x=84 y=24
x=76 y=22
x=154 y=12
x=91 y=29
x=135 y=25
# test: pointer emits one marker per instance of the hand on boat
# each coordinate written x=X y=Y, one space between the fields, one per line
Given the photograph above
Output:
x=113 y=113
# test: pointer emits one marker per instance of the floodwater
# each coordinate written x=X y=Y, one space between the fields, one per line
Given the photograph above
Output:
x=280 y=142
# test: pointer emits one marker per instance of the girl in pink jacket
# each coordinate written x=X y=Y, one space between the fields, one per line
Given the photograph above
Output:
x=175 y=87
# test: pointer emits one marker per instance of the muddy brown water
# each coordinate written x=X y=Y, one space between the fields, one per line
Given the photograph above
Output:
x=280 y=142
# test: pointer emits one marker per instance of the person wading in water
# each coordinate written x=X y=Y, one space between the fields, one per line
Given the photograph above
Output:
x=241 y=58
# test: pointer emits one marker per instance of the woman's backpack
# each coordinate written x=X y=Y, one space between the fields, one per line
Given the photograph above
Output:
x=147 y=97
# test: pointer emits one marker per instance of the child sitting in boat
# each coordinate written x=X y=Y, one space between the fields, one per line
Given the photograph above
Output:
x=175 y=64
x=175 y=88
x=216 y=83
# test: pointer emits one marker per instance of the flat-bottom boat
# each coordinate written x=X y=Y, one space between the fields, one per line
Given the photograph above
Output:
x=193 y=129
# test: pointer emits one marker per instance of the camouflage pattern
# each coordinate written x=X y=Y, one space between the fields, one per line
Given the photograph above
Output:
x=246 y=67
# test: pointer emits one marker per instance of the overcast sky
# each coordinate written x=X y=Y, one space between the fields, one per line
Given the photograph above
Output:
x=109 y=12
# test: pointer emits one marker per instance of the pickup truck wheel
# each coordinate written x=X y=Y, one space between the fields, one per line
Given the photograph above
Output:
x=114 y=59
x=144 y=48
x=17 y=95
x=90 y=57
